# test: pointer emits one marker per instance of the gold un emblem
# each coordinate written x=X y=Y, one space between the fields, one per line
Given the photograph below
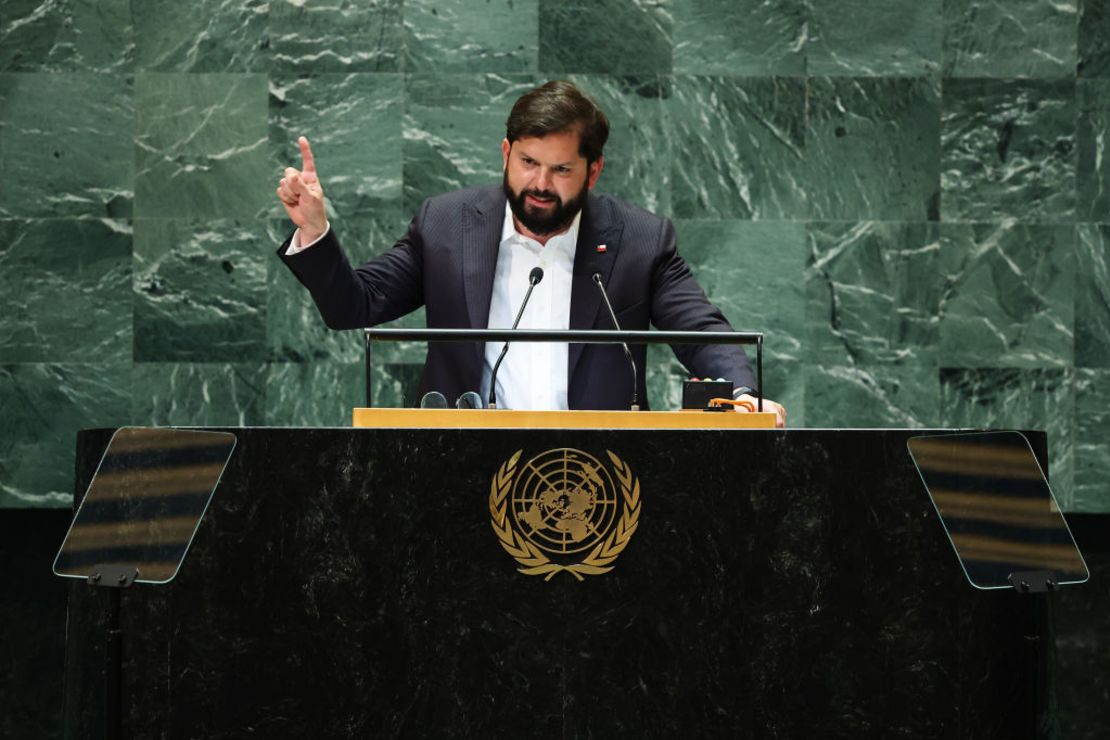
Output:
x=564 y=511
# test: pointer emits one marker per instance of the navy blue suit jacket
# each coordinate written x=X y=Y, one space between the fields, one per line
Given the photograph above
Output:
x=446 y=262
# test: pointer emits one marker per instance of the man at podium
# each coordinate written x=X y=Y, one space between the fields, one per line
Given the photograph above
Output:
x=470 y=257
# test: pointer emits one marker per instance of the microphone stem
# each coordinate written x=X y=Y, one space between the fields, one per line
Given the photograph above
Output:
x=624 y=345
x=505 y=349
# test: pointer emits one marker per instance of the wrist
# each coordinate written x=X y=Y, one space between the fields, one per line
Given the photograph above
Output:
x=311 y=233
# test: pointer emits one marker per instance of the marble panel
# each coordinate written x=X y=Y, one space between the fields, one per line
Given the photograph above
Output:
x=620 y=37
x=749 y=269
x=740 y=37
x=336 y=36
x=453 y=129
x=873 y=293
x=871 y=397
x=638 y=153
x=317 y=394
x=739 y=146
x=296 y=333
x=1008 y=295
x=1008 y=150
x=461 y=36
x=43 y=406
x=353 y=123
x=67 y=288
x=784 y=382
x=1094 y=38
x=200 y=146
x=664 y=376
x=862 y=38
x=65 y=145
x=225 y=36
x=1092 y=296
x=872 y=148
x=199 y=394
x=66 y=36
x=1002 y=38
x=395 y=385
x=199 y=291
x=1003 y=398
x=1092 y=441
x=1092 y=177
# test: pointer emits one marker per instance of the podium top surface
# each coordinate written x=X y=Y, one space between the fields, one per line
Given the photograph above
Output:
x=393 y=418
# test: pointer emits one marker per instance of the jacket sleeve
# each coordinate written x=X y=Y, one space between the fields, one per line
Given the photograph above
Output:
x=679 y=304
x=384 y=288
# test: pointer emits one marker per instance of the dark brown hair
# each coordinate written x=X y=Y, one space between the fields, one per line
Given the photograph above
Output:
x=557 y=107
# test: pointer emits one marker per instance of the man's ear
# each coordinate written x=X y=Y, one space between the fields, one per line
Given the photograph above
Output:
x=595 y=170
x=506 y=147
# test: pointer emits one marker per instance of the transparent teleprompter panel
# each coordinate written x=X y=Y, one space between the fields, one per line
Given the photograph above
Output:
x=997 y=508
x=145 y=503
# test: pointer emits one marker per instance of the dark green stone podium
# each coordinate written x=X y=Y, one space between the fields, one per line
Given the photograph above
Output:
x=779 y=584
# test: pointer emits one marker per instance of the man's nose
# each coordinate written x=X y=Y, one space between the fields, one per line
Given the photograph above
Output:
x=543 y=180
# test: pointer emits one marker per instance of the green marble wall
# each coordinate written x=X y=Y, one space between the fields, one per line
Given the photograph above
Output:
x=911 y=197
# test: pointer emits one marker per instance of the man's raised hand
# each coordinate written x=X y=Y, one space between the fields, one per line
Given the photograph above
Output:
x=303 y=198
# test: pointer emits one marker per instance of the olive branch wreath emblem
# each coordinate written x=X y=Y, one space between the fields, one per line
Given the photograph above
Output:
x=531 y=558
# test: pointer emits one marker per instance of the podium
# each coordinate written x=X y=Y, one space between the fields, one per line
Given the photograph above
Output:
x=777 y=583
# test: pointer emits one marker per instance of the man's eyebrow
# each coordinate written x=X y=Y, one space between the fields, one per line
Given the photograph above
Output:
x=568 y=163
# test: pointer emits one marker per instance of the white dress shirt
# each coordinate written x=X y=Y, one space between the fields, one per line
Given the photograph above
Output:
x=533 y=375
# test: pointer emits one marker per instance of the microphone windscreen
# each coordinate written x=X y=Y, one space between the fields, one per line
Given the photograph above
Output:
x=469 y=400
x=535 y=276
x=433 y=400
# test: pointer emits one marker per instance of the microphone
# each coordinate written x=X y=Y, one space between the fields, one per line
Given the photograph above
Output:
x=627 y=352
x=534 y=278
x=433 y=400
x=469 y=400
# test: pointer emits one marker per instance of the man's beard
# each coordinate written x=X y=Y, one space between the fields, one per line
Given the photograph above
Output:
x=549 y=221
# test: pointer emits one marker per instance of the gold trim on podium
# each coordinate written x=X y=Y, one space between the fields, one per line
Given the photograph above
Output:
x=388 y=418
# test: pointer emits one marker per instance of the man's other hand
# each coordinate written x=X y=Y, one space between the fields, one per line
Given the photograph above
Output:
x=768 y=406
x=303 y=198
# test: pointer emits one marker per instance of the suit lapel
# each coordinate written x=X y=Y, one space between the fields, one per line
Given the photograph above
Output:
x=597 y=229
x=482 y=221
x=481 y=237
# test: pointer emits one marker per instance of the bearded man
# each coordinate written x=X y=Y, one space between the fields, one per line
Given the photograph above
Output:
x=467 y=256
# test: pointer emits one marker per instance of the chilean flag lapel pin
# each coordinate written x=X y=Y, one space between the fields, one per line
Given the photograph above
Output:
x=601 y=248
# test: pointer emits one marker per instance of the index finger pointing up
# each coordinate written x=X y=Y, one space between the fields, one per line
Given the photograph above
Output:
x=308 y=164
